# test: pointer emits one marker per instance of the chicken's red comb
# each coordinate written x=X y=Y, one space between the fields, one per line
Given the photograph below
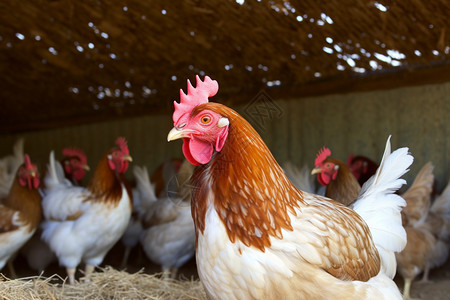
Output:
x=195 y=96
x=27 y=161
x=122 y=143
x=322 y=155
x=70 y=151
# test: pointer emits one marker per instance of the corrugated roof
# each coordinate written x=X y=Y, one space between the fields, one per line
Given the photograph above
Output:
x=66 y=61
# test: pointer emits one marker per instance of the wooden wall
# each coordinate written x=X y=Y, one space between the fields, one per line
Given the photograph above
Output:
x=417 y=117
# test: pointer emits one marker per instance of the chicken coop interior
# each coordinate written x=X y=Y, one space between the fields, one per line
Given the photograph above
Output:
x=305 y=74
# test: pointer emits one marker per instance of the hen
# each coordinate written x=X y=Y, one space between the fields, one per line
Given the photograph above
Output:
x=164 y=183
x=302 y=179
x=362 y=167
x=164 y=175
x=438 y=223
x=20 y=211
x=168 y=238
x=75 y=165
x=341 y=184
x=82 y=224
x=421 y=242
x=259 y=237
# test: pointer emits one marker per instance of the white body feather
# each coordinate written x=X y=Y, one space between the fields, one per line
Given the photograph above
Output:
x=95 y=229
x=170 y=243
x=233 y=271
x=12 y=241
x=134 y=229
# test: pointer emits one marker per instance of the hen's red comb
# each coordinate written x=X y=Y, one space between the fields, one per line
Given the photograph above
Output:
x=322 y=155
x=195 y=96
x=122 y=143
x=75 y=152
x=28 y=164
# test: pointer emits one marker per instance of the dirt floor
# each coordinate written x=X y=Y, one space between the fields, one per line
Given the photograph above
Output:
x=437 y=289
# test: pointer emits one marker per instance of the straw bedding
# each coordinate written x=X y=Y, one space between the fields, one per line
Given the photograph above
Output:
x=107 y=283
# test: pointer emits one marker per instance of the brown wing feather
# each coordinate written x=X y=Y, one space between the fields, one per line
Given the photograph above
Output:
x=418 y=196
x=345 y=247
x=6 y=217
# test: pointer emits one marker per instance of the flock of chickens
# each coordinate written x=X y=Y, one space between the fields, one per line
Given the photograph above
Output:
x=52 y=217
x=258 y=231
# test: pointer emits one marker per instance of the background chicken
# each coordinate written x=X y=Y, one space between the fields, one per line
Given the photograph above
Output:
x=302 y=179
x=341 y=184
x=259 y=237
x=438 y=223
x=8 y=168
x=163 y=178
x=362 y=167
x=168 y=238
x=36 y=252
x=20 y=211
x=421 y=242
x=82 y=224
x=75 y=165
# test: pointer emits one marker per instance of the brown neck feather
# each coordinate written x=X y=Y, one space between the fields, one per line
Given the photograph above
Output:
x=105 y=184
x=345 y=188
x=27 y=201
x=252 y=196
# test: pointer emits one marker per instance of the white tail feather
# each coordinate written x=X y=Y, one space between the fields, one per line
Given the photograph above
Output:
x=55 y=173
x=380 y=207
x=145 y=188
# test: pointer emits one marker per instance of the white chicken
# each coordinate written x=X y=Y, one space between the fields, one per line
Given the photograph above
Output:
x=82 y=224
x=169 y=237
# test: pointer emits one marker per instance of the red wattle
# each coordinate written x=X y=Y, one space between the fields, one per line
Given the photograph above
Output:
x=323 y=179
x=187 y=153
x=197 y=152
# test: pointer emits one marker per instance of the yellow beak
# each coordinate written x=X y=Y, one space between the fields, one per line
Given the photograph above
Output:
x=127 y=157
x=177 y=133
x=316 y=171
x=86 y=167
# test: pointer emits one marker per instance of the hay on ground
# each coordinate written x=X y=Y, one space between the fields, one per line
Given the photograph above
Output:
x=107 y=283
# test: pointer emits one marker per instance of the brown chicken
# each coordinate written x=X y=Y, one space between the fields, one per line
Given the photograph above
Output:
x=20 y=212
x=438 y=223
x=413 y=259
x=421 y=242
x=341 y=184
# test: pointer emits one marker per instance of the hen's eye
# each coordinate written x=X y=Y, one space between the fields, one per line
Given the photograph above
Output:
x=205 y=119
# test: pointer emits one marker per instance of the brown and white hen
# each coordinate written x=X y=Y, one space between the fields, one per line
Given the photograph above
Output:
x=20 y=211
x=259 y=237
